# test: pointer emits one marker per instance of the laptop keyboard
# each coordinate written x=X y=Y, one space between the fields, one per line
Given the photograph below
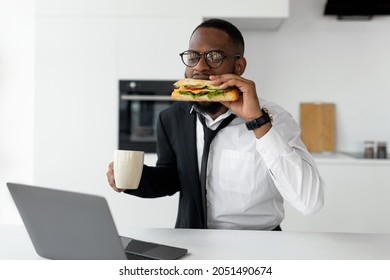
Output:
x=140 y=246
x=135 y=249
x=131 y=256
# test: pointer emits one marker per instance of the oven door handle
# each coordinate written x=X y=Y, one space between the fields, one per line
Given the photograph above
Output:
x=146 y=97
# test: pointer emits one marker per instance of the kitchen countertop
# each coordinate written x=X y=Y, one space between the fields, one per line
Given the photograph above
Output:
x=347 y=158
x=233 y=244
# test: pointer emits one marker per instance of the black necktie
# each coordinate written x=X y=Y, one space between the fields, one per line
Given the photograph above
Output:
x=208 y=137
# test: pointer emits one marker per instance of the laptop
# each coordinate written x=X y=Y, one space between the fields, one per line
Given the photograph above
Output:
x=67 y=225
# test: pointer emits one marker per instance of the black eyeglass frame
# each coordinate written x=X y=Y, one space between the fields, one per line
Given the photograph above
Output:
x=205 y=55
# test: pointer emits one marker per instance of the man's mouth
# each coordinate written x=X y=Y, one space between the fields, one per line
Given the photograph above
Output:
x=200 y=77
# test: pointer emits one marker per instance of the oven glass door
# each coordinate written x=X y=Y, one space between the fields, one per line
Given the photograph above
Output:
x=139 y=111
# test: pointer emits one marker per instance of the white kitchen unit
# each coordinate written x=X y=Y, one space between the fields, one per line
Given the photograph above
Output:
x=357 y=197
x=152 y=52
x=249 y=14
x=246 y=14
x=149 y=8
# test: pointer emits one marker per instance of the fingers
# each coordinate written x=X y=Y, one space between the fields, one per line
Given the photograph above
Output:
x=117 y=190
x=231 y=80
x=226 y=103
x=247 y=106
x=224 y=81
x=111 y=178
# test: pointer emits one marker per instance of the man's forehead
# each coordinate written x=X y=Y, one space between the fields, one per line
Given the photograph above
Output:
x=206 y=39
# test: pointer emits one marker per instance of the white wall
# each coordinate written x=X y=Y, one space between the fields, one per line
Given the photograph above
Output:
x=79 y=61
x=17 y=21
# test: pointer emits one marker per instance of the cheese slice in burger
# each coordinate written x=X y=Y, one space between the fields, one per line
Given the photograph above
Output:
x=202 y=90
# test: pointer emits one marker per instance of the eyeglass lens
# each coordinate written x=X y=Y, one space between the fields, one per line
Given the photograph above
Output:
x=213 y=59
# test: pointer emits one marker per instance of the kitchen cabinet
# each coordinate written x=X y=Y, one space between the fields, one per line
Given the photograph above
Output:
x=357 y=197
x=128 y=8
x=246 y=14
x=249 y=14
x=152 y=51
x=76 y=100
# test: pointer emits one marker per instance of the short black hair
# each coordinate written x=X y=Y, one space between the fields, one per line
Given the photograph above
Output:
x=227 y=27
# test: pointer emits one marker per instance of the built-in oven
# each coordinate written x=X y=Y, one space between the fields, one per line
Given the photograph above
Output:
x=140 y=102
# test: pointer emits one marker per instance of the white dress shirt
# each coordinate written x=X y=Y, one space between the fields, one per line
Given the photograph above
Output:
x=248 y=178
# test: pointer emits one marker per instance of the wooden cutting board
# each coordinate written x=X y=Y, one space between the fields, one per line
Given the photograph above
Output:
x=318 y=125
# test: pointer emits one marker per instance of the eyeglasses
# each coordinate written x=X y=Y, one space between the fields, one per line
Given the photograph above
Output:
x=213 y=59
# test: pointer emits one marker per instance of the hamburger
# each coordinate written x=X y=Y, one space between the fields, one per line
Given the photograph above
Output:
x=202 y=90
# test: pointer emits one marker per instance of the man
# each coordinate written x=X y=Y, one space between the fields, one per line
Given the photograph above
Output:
x=251 y=168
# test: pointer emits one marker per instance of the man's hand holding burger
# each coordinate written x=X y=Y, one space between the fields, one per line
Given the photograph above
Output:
x=247 y=106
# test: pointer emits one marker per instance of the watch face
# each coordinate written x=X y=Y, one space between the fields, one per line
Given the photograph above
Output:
x=265 y=110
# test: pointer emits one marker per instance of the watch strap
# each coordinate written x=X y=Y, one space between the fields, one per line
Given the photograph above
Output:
x=259 y=122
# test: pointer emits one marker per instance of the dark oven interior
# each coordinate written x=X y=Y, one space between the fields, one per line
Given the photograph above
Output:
x=140 y=102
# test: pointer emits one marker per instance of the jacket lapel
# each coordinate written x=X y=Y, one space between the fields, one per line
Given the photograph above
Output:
x=187 y=130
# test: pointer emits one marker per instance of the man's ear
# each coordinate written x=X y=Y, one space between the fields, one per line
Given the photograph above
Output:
x=240 y=66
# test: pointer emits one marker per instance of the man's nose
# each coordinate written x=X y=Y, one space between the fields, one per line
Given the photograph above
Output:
x=202 y=65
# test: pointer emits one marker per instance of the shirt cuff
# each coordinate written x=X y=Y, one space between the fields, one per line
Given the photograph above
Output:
x=272 y=145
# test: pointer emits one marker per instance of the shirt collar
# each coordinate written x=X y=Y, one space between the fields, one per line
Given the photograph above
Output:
x=209 y=120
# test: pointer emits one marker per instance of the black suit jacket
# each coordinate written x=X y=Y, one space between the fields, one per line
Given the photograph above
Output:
x=177 y=165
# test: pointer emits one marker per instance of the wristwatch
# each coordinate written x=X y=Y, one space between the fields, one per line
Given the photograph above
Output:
x=259 y=122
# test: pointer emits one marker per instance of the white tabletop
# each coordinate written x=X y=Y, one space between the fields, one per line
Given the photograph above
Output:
x=229 y=244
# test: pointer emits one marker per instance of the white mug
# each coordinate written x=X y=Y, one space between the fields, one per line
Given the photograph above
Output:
x=128 y=166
